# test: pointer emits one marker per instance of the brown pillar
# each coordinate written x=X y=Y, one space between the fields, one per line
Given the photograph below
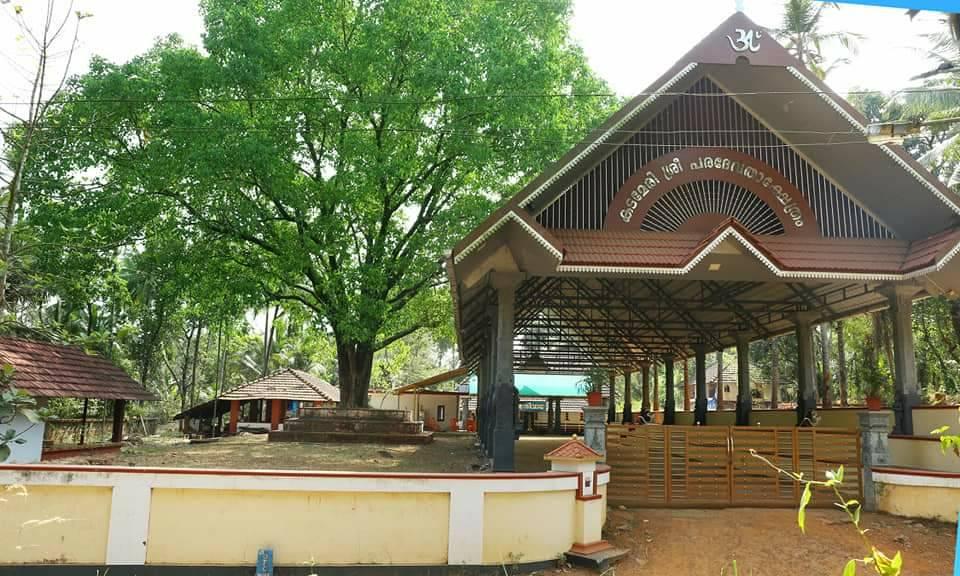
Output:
x=645 y=388
x=686 y=385
x=274 y=414
x=119 y=407
x=283 y=411
x=234 y=416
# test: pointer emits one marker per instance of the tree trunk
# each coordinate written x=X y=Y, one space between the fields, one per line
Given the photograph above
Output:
x=354 y=364
x=841 y=362
x=826 y=395
x=774 y=374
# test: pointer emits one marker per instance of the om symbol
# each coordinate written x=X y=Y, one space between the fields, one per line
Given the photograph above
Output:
x=746 y=40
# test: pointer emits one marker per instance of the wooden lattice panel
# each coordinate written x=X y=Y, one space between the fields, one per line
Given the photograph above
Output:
x=694 y=466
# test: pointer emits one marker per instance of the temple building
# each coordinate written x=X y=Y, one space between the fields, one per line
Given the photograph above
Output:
x=736 y=199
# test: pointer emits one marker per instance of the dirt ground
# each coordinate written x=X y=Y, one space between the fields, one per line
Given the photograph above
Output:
x=767 y=542
x=447 y=453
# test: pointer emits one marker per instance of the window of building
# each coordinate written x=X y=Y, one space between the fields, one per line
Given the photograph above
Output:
x=441 y=412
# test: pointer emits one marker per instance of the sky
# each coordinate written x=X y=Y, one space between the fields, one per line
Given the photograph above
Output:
x=629 y=43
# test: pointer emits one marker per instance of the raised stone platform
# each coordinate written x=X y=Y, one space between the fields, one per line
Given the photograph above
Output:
x=353 y=425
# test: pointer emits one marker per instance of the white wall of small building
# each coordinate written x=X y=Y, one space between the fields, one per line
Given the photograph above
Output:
x=421 y=406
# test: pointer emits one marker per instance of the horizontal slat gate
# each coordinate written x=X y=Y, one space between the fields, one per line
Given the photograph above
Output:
x=710 y=466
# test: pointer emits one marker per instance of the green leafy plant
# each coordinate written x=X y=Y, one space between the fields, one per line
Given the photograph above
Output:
x=593 y=381
x=13 y=402
x=947 y=442
x=881 y=563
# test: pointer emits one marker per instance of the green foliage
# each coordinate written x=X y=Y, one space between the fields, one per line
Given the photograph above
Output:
x=880 y=562
x=802 y=34
x=13 y=402
x=322 y=154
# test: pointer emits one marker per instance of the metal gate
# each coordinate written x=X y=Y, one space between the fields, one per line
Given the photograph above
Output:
x=711 y=466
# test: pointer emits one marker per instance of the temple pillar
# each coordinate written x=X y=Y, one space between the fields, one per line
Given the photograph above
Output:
x=720 y=379
x=119 y=408
x=504 y=425
x=656 y=387
x=611 y=397
x=806 y=371
x=234 y=416
x=700 y=407
x=627 y=397
x=906 y=392
x=686 y=385
x=744 y=401
x=549 y=415
x=669 y=403
x=645 y=388
x=274 y=414
x=874 y=451
x=557 y=421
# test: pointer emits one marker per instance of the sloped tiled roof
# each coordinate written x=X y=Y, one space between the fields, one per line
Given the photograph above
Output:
x=48 y=370
x=286 y=384
x=790 y=253
x=574 y=449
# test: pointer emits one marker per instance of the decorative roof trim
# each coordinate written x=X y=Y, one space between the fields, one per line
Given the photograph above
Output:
x=919 y=177
x=490 y=231
x=730 y=231
x=612 y=130
x=828 y=98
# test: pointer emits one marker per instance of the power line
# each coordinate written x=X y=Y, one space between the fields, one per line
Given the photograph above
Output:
x=467 y=98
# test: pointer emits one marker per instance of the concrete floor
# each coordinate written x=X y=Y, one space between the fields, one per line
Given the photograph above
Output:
x=529 y=450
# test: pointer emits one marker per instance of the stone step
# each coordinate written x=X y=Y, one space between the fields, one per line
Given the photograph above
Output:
x=351 y=425
x=356 y=437
x=318 y=413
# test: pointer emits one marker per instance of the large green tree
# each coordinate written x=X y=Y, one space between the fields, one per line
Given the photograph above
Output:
x=329 y=151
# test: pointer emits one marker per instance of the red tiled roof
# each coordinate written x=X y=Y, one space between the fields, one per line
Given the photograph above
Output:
x=286 y=384
x=815 y=254
x=573 y=449
x=49 y=370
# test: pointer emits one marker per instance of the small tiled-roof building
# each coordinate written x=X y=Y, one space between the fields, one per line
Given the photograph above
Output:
x=49 y=370
x=277 y=389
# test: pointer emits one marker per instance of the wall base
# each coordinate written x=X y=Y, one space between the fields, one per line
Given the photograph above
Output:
x=360 y=570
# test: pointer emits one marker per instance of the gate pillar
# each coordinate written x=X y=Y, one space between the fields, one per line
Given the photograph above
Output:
x=874 y=451
x=595 y=428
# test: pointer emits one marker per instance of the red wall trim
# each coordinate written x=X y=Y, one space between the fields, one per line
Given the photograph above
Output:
x=281 y=473
x=916 y=472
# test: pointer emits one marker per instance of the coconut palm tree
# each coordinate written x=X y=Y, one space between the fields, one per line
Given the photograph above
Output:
x=802 y=33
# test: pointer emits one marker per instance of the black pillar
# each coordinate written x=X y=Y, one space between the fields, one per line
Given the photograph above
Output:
x=700 y=407
x=611 y=398
x=549 y=415
x=806 y=372
x=503 y=427
x=645 y=388
x=119 y=407
x=744 y=401
x=627 y=398
x=669 y=402
x=557 y=420
x=906 y=391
